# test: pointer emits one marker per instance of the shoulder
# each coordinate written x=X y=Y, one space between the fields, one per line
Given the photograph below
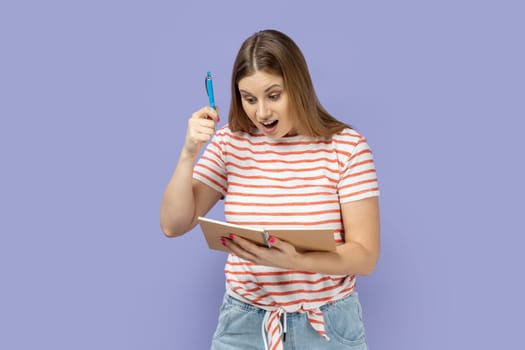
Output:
x=223 y=134
x=348 y=137
x=225 y=138
x=226 y=133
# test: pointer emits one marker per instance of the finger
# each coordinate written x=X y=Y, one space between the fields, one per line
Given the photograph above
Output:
x=212 y=114
x=206 y=113
x=208 y=123
x=244 y=244
x=281 y=245
x=236 y=249
x=201 y=137
x=272 y=242
x=201 y=126
x=218 y=116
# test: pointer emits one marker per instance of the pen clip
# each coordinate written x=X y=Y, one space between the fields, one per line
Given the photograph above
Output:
x=208 y=83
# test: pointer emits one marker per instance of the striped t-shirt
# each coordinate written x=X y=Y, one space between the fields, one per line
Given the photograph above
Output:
x=293 y=181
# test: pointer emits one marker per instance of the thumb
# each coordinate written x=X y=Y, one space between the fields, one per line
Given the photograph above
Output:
x=218 y=114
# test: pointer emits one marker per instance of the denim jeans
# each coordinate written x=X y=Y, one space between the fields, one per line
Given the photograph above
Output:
x=239 y=327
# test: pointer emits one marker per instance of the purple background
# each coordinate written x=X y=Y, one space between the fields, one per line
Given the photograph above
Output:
x=94 y=99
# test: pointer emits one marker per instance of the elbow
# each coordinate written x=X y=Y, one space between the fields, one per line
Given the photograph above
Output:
x=171 y=231
x=169 y=227
x=168 y=232
x=369 y=268
x=367 y=271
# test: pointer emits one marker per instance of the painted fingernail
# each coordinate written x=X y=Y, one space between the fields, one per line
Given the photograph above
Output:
x=271 y=240
x=231 y=236
x=223 y=241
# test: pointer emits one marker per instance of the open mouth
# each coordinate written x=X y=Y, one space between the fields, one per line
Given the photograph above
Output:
x=270 y=124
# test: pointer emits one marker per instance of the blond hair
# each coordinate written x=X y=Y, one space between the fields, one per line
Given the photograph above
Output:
x=275 y=53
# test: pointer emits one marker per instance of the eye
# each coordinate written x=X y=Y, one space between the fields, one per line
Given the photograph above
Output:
x=274 y=97
x=251 y=100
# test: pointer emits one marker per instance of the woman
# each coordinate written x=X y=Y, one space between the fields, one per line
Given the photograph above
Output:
x=282 y=160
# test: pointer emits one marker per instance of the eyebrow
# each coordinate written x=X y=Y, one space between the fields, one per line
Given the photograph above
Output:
x=267 y=89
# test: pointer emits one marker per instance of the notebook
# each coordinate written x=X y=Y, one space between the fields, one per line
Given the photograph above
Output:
x=302 y=238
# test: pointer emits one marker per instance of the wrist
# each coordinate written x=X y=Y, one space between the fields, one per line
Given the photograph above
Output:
x=188 y=155
x=301 y=262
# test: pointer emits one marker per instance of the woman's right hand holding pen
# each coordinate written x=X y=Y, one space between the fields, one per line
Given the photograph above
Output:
x=185 y=198
x=201 y=128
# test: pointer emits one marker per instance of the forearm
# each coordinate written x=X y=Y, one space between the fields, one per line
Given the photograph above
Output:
x=349 y=259
x=358 y=256
x=177 y=214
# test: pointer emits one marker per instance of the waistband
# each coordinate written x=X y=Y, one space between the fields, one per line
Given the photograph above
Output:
x=273 y=326
x=228 y=298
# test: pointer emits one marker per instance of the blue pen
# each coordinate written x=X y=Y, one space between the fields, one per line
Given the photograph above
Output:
x=209 y=90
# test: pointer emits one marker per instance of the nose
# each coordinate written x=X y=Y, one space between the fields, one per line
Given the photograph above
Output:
x=262 y=110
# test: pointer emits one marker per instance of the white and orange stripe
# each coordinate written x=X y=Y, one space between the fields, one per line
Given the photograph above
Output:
x=293 y=181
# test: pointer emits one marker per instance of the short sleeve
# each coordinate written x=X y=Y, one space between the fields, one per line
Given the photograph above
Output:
x=358 y=178
x=210 y=168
